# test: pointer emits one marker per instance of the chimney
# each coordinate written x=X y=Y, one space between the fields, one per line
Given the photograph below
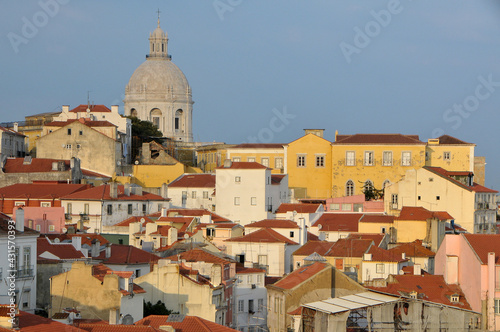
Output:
x=114 y=316
x=163 y=212
x=403 y=255
x=164 y=191
x=367 y=256
x=114 y=108
x=96 y=248
x=417 y=270
x=65 y=108
x=54 y=166
x=16 y=126
x=228 y=163
x=317 y=132
x=127 y=189
x=172 y=236
x=20 y=220
x=302 y=231
x=113 y=190
x=108 y=250
x=76 y=241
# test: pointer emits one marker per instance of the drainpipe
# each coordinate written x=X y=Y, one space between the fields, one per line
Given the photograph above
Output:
x=491 y=291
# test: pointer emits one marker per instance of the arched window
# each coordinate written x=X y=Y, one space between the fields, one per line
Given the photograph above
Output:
x=178 y=119
x=369 y=185
x=133 y=112
x=349 y=188
x=155 y=117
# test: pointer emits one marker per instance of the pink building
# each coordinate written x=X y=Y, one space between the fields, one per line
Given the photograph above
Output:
x=473 y=262
x=46 y=220
x=354 y=203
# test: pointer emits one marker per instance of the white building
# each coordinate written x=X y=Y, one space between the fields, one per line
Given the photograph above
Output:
x=159 y=92
x=247 y=191
x=297 y=211
x=18 y=248
x=109 y=204
x=12 y=142
x=193 y=191
x=250 y=300
x=379 y=263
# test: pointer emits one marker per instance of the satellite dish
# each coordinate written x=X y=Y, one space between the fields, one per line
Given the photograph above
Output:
x=319 y=226
x=64 y=229
x=401 y=272
x=63 y=145
x=186 y=236
x=143 y=220
x=136 y=162
x=128 y=320
x=56 y=240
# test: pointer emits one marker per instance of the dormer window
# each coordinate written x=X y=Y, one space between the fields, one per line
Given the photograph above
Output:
x=455 y=298
x=413 y=295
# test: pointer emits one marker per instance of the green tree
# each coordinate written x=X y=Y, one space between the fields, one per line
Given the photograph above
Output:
x=144 y=129
x=156 y=309
x=371 y=192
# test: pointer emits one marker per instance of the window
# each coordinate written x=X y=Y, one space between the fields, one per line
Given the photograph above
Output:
x=320 y=161
x=144 y=206
x=264 y=161
x=250 y=279
x=26 y=257
x=387 y=158
x=250 y=306
x=80 y=132
x=349 y=188
x=52 y=228
x=69 y=131
x=278 y=163
x=406 y=158
x=394 y=201
x=86 y=208
x=253 y=200
x=237 y=179
x=438 y=198
x=447 y=156
x=69 y=208
x=301 y=160
x=335 y=206
x=382 y=230
x=38 y=228
x=262 y=259
x=236 y=201
x=129 y=208
x=184 y=197
x=68 y=146
x=419 y=198
x=380 y=268
x=259 y=280
x=78 y=146
x=350 y=158
x=237 y=159
x=291 y=234
x=210 y=232
x=251 y=159
x=241 y=305
x=260 y=304
x=346 y=207
x=45 y=204
x=497 y=306
x=205 y=194
x=26 y=299
x=276 y=304
x=368 y=161
x=110 y=209
x=193 y=194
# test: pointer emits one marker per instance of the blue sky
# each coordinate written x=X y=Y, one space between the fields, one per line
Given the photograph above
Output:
x=412 y=67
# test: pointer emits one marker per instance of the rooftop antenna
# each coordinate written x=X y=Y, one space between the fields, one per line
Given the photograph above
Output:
x=158 y=11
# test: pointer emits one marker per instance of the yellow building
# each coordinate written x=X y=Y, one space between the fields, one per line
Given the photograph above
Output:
x=268 y=154
x=375 y=223
x=211 y=156
x=97 y=291
x=308 y=163
x=450 y=153
x=376 y=159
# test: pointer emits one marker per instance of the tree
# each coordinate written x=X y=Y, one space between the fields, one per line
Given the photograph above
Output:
x=144 y=129
x=371 y=192
x=156 y=309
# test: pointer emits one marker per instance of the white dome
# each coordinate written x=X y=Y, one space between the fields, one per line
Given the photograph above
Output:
x=158 y=76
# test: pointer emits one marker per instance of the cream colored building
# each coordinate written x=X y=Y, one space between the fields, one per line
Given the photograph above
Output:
x=267 y=154
x=159 y=92
x=12 y=142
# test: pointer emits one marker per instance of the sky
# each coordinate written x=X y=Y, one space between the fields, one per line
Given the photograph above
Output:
x=262 y=71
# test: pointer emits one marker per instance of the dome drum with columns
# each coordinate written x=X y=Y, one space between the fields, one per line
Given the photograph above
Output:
x=159 y=92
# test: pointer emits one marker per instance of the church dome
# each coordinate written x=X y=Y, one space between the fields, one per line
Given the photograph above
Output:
x=157 y=75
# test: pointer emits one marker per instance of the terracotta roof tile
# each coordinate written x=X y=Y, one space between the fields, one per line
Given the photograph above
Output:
x=10 y=131
x=102 y=193
x=203 y=180
x=258 y=146
x=116 y=328
x=188 y=324
x=34 y=323
x=428 y=287
x=378 y=139
x=61 y=250
x=446 y=139
x=87 y=122
x=263 y=235
x=320 y=247
x=421 y=213
x=39 y=190
x=350 y=248
x=300 y=275
x=382 y=255
x=87 y=238
x=377 y=218
x=333 y=222
x=6 y=221
x=482 y=244
x=481 y=189
x=93 y=108
x=277 y=178
x=194 y=213
x=298 y=207
x=312 y=237
x=200 y=255
x=244 y=165
x=243 y=270
x=126 y=254
x=375 y=237
x=128 y=221
x=273 y=223
x=413 y=249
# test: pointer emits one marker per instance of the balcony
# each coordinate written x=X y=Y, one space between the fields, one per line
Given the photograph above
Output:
x=67 y=216
x=25 y=272
x=84 y=216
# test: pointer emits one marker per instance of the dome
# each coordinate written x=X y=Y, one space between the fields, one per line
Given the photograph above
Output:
x=158 y=76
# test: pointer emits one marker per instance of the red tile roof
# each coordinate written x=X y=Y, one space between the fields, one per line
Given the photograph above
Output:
x=273 y=223
x=87 y=238
x=382 y=255
x=263 y=235
x=428 y=287
x=188 y=324
x=320 y=247
x=41 y=190
x=350 y=248
x=298 y=207
x=244 y=165
x=10 y=131
x=17 y=165
x=6 y=221
x=61 y=250
x=413 y=249
x=125 y=254
x=93 y=108
x=258 y=146
x=446 y=175
x=200 y=255
x=378 y=139
x=375 y=237
x=116 y=328
x=421 y=213
x=203 y=180
x=333 y=222
x=446 y=139
x=482 y=244
x=194 y=213
x=377 y=218
x=34 y=323
x=300 y=275
x=102 y=193
x=243 y=270
x=128 y=221
x=87 y=122
x=162 y=230
x=312 y=237
x=481 y=189
x=276 y=178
